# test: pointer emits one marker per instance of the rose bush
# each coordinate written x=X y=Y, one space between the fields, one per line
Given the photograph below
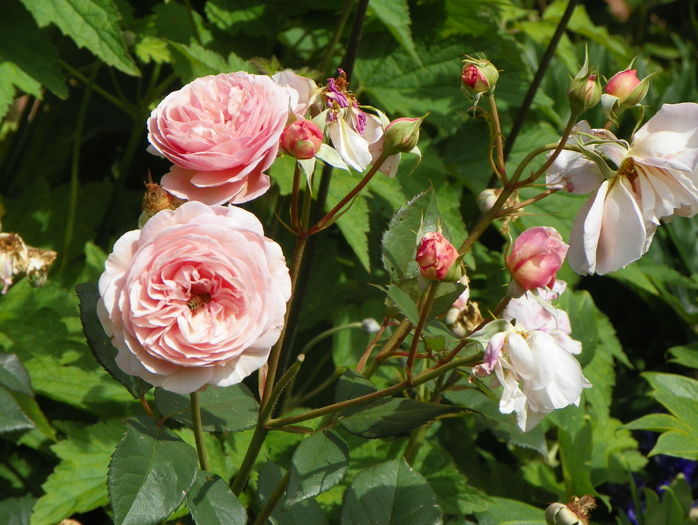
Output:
x=221 y=132
x=196 y=297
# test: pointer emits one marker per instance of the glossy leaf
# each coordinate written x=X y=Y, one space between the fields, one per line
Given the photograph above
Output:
x=301 y=513
x=211 y=502
x=13 y=375
x=149 y=474
x=395 y=15
x=12 y=417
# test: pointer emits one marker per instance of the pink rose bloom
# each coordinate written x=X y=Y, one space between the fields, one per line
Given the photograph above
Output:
x=435 y=256
x=535 y=258
x=195 y=298
x=221 y=132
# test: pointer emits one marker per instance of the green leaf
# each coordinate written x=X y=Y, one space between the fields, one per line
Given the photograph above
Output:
x=77 y=484
x=93 y=24
x=211 y=502
x=230 y=408
x=16 y=511
x=391 y=417
x=304 y=512
x=351 y=384
x=685 y=355
x=575 y=449
x=511 y=512
x=13 y=375
x=390 y=494
x=194 y=60
x=404 y=302
x=31 y=409
x=400 y=240
x=395 y=14
x=100 y=342
x=149 y=474
x=318 y=464
x=12 y=417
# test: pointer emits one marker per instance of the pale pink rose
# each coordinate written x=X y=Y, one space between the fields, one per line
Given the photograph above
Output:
x=535 y=258
x=195 y=298
x=221 y=132
x=435 y=256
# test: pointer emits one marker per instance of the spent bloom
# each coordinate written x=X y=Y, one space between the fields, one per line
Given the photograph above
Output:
x=221 y=132
x=536 y=256
x=301 y=139
x=633 y=186
x=532 y=359
x=435 y=256
x=195 y=298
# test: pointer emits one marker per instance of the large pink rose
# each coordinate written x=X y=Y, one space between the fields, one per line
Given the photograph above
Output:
x=221 y=132
x=197 y=297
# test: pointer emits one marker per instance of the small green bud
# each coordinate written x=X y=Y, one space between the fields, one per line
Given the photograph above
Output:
x=585 y=89
x=478 y=76
x=401 y=135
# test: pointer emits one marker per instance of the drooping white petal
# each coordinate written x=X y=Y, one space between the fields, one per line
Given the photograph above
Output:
x=351 y=146
x=586 y=229
x=623 y=232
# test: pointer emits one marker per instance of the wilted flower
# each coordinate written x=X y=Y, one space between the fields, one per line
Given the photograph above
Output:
x=17 y=259
x=435 y=256
x=221 y=132
x=197 y=297
x=532 y=359
x=536 y=256
x=634 y=186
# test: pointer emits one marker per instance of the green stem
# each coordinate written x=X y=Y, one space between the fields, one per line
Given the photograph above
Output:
x=346 y=11
x=500 y=166
x=75 y=169
x=427 y=375
x=395 y=339
x=198 y=429
x=129 y=109
x=273 y=500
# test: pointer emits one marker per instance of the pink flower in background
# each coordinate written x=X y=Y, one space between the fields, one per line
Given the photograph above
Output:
x=195 y=298
x=221 y=132
x=652 y=178
x=435 y=256
x=535 y=258
x=533 y=359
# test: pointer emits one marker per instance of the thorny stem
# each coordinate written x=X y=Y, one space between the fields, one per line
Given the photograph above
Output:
x=423 y=314
x=198 y=430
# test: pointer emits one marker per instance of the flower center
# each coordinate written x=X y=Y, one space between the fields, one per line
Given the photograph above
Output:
x=197 y=300
x=627 y=169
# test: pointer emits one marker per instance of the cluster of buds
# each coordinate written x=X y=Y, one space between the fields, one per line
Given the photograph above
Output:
x=535 y=258
x=16 y=259
x=155 y=199
x=478 y=77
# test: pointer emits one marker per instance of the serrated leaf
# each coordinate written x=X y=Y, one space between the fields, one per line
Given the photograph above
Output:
x=685 y=355
x=13 y=375
x=12 y=417
x=194 y=60
x=354 y=222
x=511 y=512
x=230 y=409
x=318 y=464
x=149 y=474
x=351 y=384
x=100 y=343
x=211 y=502
x=391 y=417
x=395 y=14
x=304 y=512
x=93 y=24
x=404 y=302
x=77 y=484
x=31 y=409
x=390 y=494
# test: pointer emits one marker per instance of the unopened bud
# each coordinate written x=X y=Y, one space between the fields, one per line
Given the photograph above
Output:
x=560 y=514
x=584 y=93
x=401 y=135
x=370 y=325
x=478 y=76
x=624 y=90
x=487 y=198
x=302 y=139
x=435 y=257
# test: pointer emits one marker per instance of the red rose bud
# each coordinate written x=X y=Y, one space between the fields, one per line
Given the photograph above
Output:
x=401 y=135
x=435 y=256
x=627 y=88
x=535 y=258
x=301 y=139
x=478 y=76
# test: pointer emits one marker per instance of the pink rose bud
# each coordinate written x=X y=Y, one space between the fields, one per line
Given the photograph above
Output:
x=401 y=135
x=302 y=139
x=535 y=258
x=435 y=256
x=478 y=76
x=627 y=88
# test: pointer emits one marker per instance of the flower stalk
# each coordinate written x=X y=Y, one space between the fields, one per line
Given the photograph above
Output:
x=198 y=430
